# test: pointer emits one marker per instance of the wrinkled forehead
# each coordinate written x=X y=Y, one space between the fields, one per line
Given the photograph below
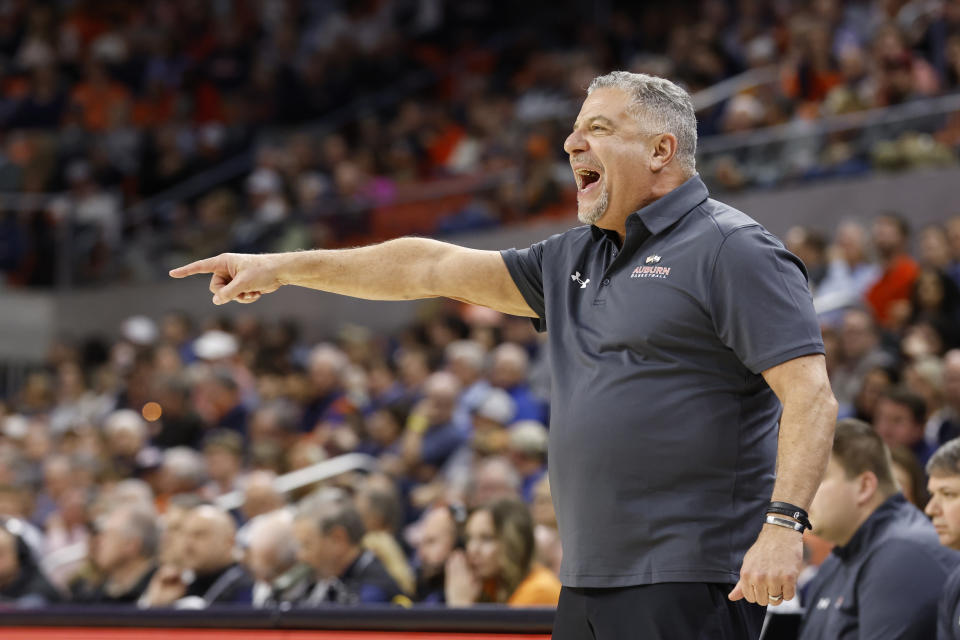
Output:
x=608 y=103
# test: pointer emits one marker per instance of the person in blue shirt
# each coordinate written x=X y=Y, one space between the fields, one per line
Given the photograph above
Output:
x=885 y=575
x=944 y=511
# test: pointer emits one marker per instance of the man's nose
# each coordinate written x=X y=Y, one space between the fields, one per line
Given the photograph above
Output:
x=575 y=143
x=931 y=509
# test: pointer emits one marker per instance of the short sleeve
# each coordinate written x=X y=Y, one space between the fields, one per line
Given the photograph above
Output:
x=760 y=302
x=526 y=269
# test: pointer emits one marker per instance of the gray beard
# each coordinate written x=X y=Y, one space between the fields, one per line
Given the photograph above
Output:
x=590 y=216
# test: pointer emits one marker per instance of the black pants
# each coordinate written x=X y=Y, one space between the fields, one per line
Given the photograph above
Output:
x=667 y=611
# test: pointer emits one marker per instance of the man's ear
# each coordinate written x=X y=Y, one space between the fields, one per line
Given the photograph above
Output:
x=867 y=484
x=664 y=149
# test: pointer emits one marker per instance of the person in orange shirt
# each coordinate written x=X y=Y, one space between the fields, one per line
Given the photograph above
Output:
x=497 y=565
x=98 y=97
x=889 y=297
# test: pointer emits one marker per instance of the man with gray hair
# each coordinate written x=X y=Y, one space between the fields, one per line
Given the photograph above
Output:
x=691 y=414
x=125 y=551
x=271 y=558
x=329 y=533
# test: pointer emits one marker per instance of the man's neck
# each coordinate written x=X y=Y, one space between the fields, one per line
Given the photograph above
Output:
x=865 y=512
x=662 y=185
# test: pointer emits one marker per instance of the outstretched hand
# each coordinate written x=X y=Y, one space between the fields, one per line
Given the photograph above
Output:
x=236 y=276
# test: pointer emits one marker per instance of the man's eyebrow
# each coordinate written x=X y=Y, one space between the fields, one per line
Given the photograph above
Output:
x=591 y=119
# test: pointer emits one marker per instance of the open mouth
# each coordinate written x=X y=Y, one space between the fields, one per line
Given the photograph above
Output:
x=586 y=179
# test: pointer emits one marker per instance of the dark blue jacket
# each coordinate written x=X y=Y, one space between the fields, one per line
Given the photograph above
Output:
x=948 y=625
x=884 y=583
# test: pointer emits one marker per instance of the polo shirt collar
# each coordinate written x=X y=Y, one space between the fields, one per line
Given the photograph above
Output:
x=663 y=212
x=871 y=527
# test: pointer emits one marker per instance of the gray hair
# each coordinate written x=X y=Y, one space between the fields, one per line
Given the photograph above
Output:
x=274 y=531
x=141 y=525
x=946 y=460
x=661 y=104
x=327 y=509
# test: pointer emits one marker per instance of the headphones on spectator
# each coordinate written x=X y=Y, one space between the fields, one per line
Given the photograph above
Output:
x=15 y=527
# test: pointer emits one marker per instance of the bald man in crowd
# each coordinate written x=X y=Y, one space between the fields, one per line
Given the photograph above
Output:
x=207 y=572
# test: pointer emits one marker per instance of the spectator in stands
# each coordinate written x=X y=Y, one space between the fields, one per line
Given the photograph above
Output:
x=438 y=536
x=935 y=301
x=546 y=532
x=944 y=510
x=509 y=371
x=22 y=582
x=223 y=458
x=260 y=495
x=126 y=435
x=271 y=558
x=182 y=471
x=381 y=509
x=126 y=554
x=328 y=401
x=528 y=453
x=890 y=294
x=883 y=543
x=432 y=435
x=849 y=274
x=908 y=472
x=862 y=351
x=494 y=478
x=466 y=359
x=810 y=245
x=209 y=556
x=497 y=565
x=329 y=533
x=900 y=420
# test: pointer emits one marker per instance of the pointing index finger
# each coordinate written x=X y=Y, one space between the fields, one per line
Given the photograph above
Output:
x=207 y=265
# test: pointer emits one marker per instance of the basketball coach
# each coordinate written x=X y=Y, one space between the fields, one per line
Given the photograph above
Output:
x=692 y=417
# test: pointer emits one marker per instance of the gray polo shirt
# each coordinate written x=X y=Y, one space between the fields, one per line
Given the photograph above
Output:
x=663 y=433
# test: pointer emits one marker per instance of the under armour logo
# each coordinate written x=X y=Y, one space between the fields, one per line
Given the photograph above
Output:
x=653 y=259
x=576 y=278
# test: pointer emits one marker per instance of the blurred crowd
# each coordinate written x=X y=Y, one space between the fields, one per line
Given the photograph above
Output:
x=143 y=469
x=111 y=103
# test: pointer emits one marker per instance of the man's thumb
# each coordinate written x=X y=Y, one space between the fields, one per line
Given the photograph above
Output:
x=737 y=593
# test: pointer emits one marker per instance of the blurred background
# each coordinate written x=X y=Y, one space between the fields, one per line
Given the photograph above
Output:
x=138 y=136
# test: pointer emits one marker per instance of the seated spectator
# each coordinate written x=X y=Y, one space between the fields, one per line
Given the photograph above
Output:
x=22 y=582
x=493 y=478
x=380 y=507
x=497 y=565
x=908 y=473
x=271 y=558
x=528 y=453
x=329 y=533
x=223 y=455
x=432 y=435
x=944 y=510
x=438 y=536
x=125 y=553
x=260 y=495
x=509 y=372
x=546 y=532
x=885 y=575
x=890 y=295
x=900 y=419
x=212 y=574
